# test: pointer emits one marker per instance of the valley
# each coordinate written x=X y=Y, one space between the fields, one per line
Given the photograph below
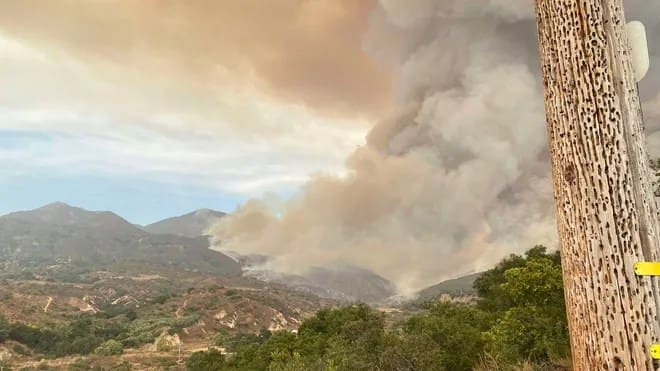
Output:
x=93 y=278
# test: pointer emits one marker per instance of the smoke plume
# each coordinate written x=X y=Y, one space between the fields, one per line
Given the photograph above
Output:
x=454 y=179
x=300 y=51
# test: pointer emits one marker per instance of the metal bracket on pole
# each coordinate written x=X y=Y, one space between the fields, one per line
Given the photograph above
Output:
x=647 y=268
x=655 y=351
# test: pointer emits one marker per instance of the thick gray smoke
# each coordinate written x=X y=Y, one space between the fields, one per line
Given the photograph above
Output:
x=454 y=179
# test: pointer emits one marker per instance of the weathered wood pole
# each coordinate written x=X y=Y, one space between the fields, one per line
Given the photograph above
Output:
x=606 y=212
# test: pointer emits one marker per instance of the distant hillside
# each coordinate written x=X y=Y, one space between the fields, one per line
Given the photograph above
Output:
x=343 y=283
x=193 y=224
x=62 y=215
x=78 y=240
x=457 y=286
x=59 y=232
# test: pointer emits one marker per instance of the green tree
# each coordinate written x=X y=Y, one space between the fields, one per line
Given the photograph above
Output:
x=350 y=338
x=259 y=355
x=456 y=329
x=284 y=361
x=488 y=285
x=410 y=352
x=5 y=365
x=109 y=348
x=535 y=325
x=211 y=360
x=4 y=328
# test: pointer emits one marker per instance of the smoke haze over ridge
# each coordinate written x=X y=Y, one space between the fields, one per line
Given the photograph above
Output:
x=238 y=98
x=456 y=177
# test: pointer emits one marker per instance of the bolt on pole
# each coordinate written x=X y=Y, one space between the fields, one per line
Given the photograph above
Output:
x=606 y=212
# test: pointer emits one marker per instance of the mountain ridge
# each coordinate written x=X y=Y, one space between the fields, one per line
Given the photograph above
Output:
x=193 y=224
x=460 y=286
x=58 y=232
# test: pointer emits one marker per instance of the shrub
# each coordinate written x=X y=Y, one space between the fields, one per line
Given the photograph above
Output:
x=211 y=360
x=80 y=364
x=4 y=329
x=110 y=348
x=232 y=293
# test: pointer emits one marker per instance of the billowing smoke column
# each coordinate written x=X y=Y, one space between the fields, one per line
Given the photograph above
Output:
x=453 y=180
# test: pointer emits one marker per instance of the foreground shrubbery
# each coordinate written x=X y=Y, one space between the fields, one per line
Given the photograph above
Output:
x=93 y=334
x=519 y=319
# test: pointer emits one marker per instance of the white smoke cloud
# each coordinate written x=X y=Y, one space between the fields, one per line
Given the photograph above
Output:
x=456 y=178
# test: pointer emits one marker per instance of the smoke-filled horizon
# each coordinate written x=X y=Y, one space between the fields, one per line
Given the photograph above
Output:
x=152 y=108
x=458 y=174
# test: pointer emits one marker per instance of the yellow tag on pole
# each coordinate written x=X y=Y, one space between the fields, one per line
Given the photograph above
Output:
x=647 y=268
x=655 y=351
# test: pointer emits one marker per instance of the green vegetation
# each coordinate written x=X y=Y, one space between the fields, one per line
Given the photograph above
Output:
x=5 y=365
x=519 y=319
x=211 y=360
x=110 y=348
x=97 y=334
x=5 y=327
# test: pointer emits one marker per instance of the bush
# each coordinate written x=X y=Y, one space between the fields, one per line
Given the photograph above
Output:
x=5 y=365
x=456 y=329
x=80 y=364
x=20 y=349
x=4 y=329
x=519 y=320
x=211 y=360
x=123 y=366
x=285 y=361
x=535 y=327
x=110 y=348
x=232 y=293
x=161 y=299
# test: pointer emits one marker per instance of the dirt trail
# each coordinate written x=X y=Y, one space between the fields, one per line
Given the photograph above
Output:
x=181 y=308
x=50 y=300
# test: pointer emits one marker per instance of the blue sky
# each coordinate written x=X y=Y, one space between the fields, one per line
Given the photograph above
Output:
x=147 y=146
x=143 y=185
x=156 y=113
x=140 y=198
x=149 y=124
x=140 y=201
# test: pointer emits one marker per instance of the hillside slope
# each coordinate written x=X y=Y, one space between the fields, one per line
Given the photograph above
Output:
x=455 y=287
x=59 y=232
x=193 y=224
x=340 y=282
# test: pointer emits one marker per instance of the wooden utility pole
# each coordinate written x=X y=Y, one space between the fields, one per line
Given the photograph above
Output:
x=606 y=212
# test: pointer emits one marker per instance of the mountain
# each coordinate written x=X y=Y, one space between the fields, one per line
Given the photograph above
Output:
x=59 y=232
x=193 y=224
x=340 y=282
x=79 y=240
x=62 y=215
x=457 y=286
x=356 y=283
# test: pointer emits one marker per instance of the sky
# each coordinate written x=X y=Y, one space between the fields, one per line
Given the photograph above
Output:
x=156 y=108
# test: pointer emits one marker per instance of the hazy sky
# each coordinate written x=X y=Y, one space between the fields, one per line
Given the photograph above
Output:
x=430 y=112
x=155 y=108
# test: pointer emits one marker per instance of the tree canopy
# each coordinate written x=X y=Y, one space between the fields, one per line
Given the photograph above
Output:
x=519 y=317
